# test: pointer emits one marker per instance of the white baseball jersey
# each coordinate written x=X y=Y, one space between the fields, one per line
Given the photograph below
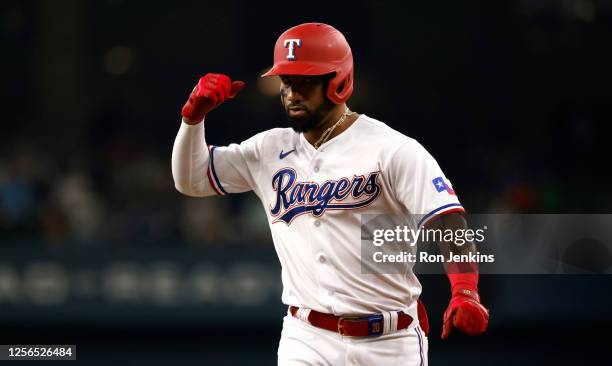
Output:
x=314 y=200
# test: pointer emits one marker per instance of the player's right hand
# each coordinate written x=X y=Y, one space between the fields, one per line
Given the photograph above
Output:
x=210 y=92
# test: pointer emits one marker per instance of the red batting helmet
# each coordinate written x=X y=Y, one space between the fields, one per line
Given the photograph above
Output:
x=316 y=49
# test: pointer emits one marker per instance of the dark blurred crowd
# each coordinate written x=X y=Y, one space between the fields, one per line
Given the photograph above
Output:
x=126 y=197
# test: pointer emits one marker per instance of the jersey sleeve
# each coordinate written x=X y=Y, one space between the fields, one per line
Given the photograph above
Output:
x=200 y=170
x=234 y=168
x=419 y=183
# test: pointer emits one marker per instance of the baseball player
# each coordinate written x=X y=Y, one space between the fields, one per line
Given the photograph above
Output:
x=315 y=180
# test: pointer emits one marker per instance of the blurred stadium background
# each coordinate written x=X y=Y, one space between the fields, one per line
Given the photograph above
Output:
x=98 y=249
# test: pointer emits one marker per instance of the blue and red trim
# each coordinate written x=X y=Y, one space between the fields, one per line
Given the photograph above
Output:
x=212 y=174
x=442 y=210
x=420 y=345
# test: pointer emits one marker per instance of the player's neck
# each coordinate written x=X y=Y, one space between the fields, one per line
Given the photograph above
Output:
x=313 y=135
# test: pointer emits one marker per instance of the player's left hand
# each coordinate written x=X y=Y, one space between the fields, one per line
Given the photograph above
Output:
x=211 y=91
x=465 y=313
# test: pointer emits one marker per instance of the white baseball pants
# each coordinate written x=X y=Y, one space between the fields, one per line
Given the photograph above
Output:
x=305 y=345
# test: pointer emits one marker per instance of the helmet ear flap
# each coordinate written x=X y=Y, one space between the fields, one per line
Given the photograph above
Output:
x=340 y=87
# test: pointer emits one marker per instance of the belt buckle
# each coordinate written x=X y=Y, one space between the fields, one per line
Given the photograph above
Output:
x=341 y=326
x=375 y=324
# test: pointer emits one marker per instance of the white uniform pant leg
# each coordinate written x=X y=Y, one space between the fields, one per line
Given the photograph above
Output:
x=406 y=347
x=304 y=345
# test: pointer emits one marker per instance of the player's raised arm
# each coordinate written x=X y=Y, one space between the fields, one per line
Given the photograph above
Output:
x=193 y=165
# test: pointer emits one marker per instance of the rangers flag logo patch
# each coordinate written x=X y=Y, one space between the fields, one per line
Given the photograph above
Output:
x=442 y=186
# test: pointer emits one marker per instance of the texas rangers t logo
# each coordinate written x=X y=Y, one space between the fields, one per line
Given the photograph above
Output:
x=291 y=43
x=294 y=198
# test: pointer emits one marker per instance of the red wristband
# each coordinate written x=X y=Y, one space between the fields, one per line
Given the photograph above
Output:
x=463 y=281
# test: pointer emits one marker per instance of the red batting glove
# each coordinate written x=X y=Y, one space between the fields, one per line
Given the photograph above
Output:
x=210 y=92
x=465 y=312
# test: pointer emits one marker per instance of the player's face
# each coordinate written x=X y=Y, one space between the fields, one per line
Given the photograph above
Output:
x=302 y=97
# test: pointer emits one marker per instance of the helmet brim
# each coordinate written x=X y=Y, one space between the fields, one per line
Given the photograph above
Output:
x=299 y=68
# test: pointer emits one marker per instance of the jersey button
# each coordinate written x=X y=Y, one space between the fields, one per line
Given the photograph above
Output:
x=316 y=169
x=321 y=257
x=317 y=223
